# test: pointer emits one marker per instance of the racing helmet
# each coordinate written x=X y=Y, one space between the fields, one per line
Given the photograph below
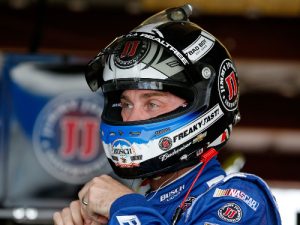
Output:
x=167 y=52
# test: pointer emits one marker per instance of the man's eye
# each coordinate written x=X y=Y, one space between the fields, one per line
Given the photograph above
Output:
x=152 y=105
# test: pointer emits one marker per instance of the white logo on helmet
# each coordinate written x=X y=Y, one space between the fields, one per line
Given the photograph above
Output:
x=124 y=155
x=199 y=47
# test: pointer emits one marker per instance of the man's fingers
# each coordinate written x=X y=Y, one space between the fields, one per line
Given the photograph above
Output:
x=75 y=212
x=57 y=219
x=85 y=216
x=90 y=216
x=63 y=218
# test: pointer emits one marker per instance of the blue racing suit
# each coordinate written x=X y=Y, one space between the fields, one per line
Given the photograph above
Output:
x=215 y=199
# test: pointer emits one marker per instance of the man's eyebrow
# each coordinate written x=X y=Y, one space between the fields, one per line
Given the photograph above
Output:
x=153 y=94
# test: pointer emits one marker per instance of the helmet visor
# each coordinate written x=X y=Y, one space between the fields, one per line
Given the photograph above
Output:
x=94 y=70
x=135 y=56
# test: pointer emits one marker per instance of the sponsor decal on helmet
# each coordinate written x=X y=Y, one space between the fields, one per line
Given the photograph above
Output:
x=200 y=47
x=132 y=51
x=162 y=42
x=162 y=131
x=228 y=85
x=173 y=152
x=192 y=133
x=235 y=193
x=230 y=212
x=165 y=143
x=66 y=140
x=124 y=155
x=198 y=126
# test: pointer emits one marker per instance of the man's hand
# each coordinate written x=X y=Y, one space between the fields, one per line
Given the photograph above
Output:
x=96 y=198
x=99 y=194
x=74 y=215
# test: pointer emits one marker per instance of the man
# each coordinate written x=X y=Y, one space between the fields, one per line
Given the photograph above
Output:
x=171 y=100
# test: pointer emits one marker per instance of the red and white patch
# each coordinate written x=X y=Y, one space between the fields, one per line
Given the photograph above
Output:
x=132 y=51
x=165 y=143
x=228 y=85
x=230 y=212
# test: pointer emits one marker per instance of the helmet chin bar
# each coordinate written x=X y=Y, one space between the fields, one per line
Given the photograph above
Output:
x=166 y=145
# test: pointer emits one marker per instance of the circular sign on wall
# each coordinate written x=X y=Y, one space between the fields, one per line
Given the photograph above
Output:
x=66 y=137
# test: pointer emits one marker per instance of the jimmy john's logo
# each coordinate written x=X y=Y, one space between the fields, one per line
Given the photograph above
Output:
x=131 y=52
x=165 y=143
x=66 y=138
x=124 y=155
x=230 y=212
x=228 y=85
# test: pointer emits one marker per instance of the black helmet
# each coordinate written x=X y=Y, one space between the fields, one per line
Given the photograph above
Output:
x=166 y=53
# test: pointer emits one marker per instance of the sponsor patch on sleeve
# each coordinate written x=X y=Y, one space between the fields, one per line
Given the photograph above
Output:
x=128 y=220
x=235 y=193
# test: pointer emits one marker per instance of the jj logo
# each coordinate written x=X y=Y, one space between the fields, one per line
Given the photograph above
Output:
x=130 y=49
x=232 y=85
x=131 y=52
x=78 y=137
x=229 y=213
x=66 y=137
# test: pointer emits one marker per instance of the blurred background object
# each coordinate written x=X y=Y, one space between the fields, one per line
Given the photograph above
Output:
x=49 y=135
x=49 y=40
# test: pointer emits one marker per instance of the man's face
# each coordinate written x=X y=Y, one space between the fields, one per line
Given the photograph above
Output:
x=146 y=104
